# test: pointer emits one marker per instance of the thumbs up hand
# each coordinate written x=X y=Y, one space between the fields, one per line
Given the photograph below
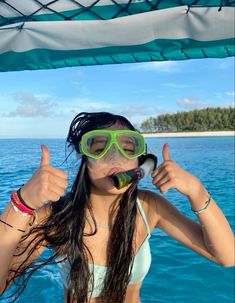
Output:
x=170 y=175
x=45 y=157
x=47 y=183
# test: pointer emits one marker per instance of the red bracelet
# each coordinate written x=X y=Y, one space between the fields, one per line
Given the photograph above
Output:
x=21 y=199
x=19 y=205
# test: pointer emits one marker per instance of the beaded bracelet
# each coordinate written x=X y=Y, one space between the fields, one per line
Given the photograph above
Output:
x=18 y=204
x=19 y=211
x=197 y=212
x=33 y=216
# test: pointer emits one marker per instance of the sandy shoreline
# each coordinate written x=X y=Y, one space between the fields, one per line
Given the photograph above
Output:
x=191 y=134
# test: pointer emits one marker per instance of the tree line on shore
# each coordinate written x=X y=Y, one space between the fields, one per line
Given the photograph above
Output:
x=208 y=119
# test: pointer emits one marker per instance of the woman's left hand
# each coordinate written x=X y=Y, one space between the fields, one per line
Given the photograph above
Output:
x=170 y=175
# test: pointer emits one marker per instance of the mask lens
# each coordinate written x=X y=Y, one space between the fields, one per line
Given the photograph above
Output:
x=97 y=144
x=132 y=145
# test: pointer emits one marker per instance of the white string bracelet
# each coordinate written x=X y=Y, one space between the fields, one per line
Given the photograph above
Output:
x=18 y=211
x=33 y=216
x=198 y=212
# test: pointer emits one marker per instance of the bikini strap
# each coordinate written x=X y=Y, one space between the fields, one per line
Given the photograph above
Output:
x=143 y=215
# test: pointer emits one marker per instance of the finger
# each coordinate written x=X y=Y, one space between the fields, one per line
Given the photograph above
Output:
x=55 y=189
x=159 y=176
x=54 y=197
x=157 y=170
x=164 y=167
x=166 y=186
x=57 y=181
x=165 y=152
x=45 y=158
x=162 y=181
x=57 y=172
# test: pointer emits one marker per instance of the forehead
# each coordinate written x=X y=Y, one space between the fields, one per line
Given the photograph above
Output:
x=117 y=126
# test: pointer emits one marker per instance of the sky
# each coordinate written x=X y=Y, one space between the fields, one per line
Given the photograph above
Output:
x=41 y=104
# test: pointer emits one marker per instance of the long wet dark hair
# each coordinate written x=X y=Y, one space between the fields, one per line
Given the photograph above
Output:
x=63 y=230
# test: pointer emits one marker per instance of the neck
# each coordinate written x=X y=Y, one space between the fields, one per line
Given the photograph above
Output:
x=104 y=203
x=104 y=207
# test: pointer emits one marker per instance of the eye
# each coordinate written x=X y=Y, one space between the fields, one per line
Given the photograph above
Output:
x=129 y=148
x=97 y=150
x=97 y=145
x=129 y=152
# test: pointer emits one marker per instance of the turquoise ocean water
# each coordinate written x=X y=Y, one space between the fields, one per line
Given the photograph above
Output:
x=177 y=274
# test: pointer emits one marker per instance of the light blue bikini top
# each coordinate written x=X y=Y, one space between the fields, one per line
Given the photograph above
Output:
x=141 y=264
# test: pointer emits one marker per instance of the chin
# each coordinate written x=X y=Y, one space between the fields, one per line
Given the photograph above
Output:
x=110 y=189
x=116 y=191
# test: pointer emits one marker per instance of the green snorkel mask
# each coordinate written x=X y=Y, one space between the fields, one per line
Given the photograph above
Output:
x=96 y=143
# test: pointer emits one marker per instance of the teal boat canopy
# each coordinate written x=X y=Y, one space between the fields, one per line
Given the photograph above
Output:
x=43 y=34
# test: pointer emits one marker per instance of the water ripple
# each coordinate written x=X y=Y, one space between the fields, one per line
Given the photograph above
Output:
x=177 y=274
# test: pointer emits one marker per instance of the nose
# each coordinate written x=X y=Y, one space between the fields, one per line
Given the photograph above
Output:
x=113 y=153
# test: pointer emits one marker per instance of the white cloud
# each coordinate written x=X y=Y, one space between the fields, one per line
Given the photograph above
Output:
x=230 y=94
x=136 y=110
x=226 y=104
x=74 y=106
x=145 y=90
x=6 y=103
x=31 y=105
x=192 y=103
x=139 y=112
x=222 y=96
x=223 y=65
x=176 y=85
x=78 y=73
x=218 y=95
x=159 y=66
x=135 y=113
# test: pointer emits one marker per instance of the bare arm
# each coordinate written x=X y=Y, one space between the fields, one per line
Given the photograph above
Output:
x=217 y=234
x=213 y=237
x=213 y=241
x=47 y=183
x=9 y=244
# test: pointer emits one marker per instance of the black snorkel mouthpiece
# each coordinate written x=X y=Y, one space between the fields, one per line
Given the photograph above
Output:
x=121 y=179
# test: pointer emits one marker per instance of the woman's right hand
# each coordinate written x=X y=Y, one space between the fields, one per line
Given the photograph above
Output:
x=47 y=183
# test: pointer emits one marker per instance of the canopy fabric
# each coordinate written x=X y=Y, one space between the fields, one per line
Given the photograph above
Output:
x=52 y=34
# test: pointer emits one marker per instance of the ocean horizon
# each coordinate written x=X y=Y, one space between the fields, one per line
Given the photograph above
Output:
x=229 y=133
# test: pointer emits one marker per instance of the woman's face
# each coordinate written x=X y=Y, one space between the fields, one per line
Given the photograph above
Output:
x=100 y=170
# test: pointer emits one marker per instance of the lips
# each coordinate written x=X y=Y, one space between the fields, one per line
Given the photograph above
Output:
x=115 y=170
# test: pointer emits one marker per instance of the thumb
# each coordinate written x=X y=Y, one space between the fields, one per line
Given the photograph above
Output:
x=165 y=152
x=45 y=158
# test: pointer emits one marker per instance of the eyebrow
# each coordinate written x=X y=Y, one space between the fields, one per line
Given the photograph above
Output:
x=96 y=140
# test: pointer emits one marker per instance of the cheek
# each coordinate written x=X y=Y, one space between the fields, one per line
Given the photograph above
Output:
x=95 y=168
x=99 y=168
x=132 y=164
x=97 y=171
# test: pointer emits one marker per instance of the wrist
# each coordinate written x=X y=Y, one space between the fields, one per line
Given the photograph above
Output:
x=25 y=197
x=198 y=197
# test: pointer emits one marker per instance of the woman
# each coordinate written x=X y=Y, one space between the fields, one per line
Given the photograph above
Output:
x=99 y=234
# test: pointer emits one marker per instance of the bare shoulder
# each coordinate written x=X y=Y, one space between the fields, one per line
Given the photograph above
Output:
x=159 y=210
x=149 y=201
